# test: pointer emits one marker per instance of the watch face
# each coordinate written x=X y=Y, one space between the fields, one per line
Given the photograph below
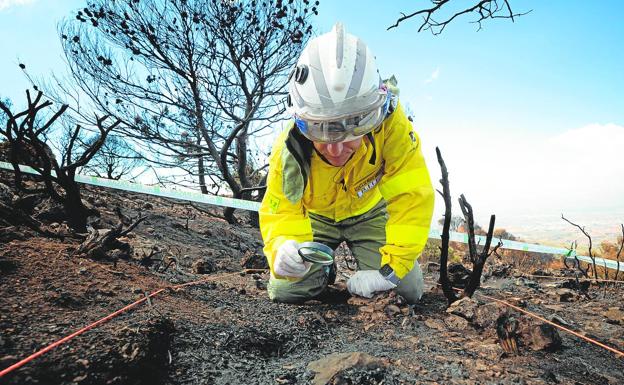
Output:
x=386 y=270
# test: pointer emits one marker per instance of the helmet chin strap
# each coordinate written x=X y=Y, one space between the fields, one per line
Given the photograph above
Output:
x=373 y=157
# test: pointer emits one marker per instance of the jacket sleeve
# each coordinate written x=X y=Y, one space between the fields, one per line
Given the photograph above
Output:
x=281 y=216
x=407 y=189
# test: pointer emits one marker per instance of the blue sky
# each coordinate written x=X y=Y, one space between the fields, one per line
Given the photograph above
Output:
x=529 y=115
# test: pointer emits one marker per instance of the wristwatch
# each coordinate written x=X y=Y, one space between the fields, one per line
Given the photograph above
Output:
x=388 y=273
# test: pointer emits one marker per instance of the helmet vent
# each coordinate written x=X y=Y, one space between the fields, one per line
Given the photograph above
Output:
x=301 y=73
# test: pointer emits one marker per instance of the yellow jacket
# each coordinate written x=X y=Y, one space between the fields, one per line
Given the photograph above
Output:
x=393 y=169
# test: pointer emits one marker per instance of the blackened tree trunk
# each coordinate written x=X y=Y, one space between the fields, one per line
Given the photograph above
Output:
x=27 y=137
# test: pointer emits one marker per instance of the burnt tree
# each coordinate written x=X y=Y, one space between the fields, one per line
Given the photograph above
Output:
x=27 y=135
x=617 y=258
x=591 y=253
x=577 y=262
x=446 y=194
x=116 y=158
x=477 y=258
x=192 y=80
x=102 y=244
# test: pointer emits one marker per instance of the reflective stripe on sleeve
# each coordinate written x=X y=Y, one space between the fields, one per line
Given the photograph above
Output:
x=406 y=234
x=289 y=228
x=403 y=182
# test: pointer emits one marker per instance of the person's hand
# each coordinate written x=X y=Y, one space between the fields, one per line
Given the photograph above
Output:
x=366 y=282
x=288 y=262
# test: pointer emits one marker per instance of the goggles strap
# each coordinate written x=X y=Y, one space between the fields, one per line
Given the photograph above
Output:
x=301 y=148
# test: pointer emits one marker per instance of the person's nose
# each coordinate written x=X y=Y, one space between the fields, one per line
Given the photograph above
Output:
x=335 y=149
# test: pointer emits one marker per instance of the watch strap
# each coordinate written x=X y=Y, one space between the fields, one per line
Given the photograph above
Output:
x=388 y=273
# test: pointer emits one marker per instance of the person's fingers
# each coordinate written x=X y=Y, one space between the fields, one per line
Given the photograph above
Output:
x=353 y=285
x=290 y=248
x=295 y=263
x=365 y=284
x=284 y=270
x=284 y=263
x=286 y=267
x=293 y=254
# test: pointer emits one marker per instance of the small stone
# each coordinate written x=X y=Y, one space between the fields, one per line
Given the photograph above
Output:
x=367 y=309
x=80 y=378
x=137 y=290
x=203 y=266
x=261 y=285
x=436 y=324
x=331 y=316
x=558 y=320
x=392 y=310
x=253 y=260
x=566 y=295
x=7 y=361
x=614 y=315
x=465 y=307
x=327 y=367
x=486 y=315
x=456 y=322
x=83 y=362
x=481 y=366
x=544 y=337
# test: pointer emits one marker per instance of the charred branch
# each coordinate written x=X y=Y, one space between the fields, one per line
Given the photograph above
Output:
x=101 y=243
x=591 y=254
x=565 y=258
x=617 y=258
x=434 y=21
x=478 y=259
x=446 y=194
x=577 y=263
x=466 y=209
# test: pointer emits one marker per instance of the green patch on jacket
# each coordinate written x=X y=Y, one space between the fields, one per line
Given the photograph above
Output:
x=274 y=203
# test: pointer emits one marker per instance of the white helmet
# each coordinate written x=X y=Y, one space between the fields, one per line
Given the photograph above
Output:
x=335 y=90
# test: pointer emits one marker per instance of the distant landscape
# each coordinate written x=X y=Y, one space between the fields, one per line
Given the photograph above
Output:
x=552 y=230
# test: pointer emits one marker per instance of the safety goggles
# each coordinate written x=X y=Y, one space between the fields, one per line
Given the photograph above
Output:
x=345 y=128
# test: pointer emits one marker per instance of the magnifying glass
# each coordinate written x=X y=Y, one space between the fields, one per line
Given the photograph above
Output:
x=316 y=252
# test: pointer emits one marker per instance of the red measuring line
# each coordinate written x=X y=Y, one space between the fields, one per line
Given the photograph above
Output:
x=99 y=322
x=554 y=324
x=579 y=278
x=76 y=333
x=590 y=340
